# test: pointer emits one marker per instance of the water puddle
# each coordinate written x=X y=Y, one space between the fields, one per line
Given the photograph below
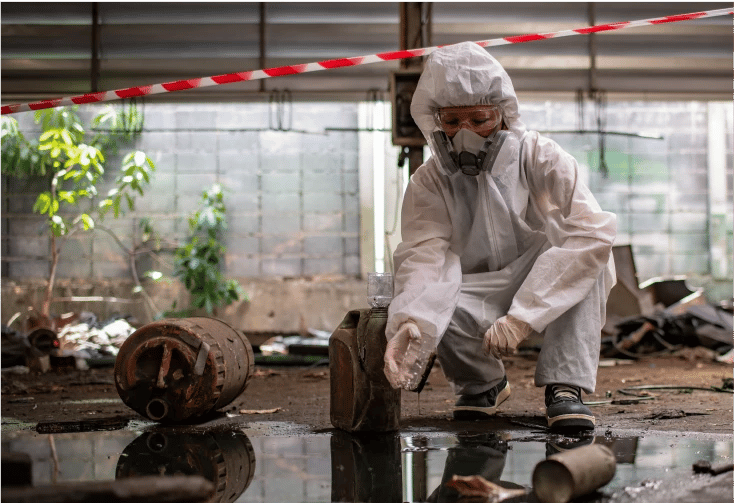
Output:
x=269 y=462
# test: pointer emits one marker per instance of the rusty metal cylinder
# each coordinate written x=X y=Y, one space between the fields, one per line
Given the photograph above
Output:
x=226 y=458
x=573 y=473
x=178 y=370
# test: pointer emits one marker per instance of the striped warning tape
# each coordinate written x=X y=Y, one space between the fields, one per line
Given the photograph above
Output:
x=182 y=85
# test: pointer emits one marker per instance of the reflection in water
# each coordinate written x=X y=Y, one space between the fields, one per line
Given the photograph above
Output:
x=225 y=458
x=474 y=454
x=337 y=466
x=365 y=468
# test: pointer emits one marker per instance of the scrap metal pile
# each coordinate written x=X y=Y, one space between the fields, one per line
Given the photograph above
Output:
x=663 y=316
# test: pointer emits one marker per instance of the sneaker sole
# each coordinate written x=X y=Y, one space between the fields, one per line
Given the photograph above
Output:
x=571 y=422
x=465 y=412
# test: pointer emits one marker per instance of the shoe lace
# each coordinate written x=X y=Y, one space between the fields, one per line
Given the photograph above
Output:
x=563 y=392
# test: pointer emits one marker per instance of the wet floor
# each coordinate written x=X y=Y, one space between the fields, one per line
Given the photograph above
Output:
x=264 y=462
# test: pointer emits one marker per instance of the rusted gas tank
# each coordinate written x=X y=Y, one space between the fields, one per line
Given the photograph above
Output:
x=177 y=370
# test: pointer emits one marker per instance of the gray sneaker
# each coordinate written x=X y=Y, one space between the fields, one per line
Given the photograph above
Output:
x=483 y=405
x=565 y=410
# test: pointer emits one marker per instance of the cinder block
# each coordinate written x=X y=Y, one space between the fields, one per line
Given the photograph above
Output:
x=273 y=223
x=322 y=202
x=242 y=245
x=106 y=269
x=281 y=267
x=242 y=182
x=322 y=163
x=352 y=223
x=239 y=266
x=197 y=141
x=160 y=196
x=26 y=269
x=241 y=224
x=245 y=116
x=352 y=265
x=283 y=204
x=164 y=162
x=195 y=162
x=322 y=222
x=197 y=183
x=159 y=116
x=351 y=183
x=281 y=244
x=323 y=245
x=239 y=141
x=29 y=246
x=278 y=183
x=193 y=118
x=317 y=266
x=351 y=246
x=158 y=141
x=690 y=264
x=280 y=162
x=322 y=182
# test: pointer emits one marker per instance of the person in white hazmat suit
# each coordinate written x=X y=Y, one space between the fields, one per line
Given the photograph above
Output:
x=500 y=238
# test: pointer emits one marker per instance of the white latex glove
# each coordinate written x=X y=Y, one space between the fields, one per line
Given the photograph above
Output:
x=398 y=353
x=504 y=335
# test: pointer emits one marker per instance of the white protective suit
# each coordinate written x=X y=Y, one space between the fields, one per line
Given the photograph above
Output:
x=527 y=239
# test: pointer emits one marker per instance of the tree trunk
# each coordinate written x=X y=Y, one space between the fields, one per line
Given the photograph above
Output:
x=46 y=308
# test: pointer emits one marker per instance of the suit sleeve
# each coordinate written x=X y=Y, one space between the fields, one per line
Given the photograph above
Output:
x=580 y=233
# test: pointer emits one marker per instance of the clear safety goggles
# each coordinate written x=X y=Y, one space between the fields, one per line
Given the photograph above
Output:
x=481 y=119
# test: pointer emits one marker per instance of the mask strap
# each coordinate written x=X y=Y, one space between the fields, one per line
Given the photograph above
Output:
x=446 y=151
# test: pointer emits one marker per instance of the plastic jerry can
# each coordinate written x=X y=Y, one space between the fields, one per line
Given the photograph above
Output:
x=361 y=397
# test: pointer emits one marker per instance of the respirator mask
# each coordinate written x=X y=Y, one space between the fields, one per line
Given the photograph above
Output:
x=465 y=140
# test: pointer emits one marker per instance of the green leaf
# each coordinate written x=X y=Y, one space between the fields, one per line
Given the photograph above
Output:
x=154 y=275
x=140 y=158
x=87 y=222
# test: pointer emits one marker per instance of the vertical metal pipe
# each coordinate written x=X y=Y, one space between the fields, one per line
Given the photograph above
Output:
x=592 y=50
x=261 y=27
x=94 y=76
x=412 y=37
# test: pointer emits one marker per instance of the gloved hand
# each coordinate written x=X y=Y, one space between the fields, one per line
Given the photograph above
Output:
x=504 y=335
x=398 y=353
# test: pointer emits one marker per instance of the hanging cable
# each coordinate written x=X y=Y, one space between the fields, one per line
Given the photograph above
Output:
x=580 y=110
x=280 y=117
x=600 y=98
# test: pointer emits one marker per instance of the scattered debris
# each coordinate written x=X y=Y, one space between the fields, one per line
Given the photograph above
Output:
x=260 y=372
x=679 y=388
x=16 y=369
x=476 y=486
x=662 y=316
x=316 y=375
x=631 y=401
x=703 y=466
x=89 y=339
x=261 y=411
x=101 y=424
x=673 y=414
x=174 y=489
x=25 y=399
x=612 y=362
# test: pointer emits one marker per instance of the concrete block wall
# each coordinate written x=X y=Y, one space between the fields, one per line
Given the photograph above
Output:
x=657 y=188
x=292 y=196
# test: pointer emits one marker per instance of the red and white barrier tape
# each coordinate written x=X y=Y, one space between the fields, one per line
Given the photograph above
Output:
x=181 y=85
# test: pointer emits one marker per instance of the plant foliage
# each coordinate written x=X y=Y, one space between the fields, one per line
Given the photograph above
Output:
x=198 y=262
